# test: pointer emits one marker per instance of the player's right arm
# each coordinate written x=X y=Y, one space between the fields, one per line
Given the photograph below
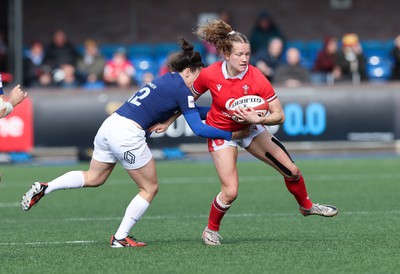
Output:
x=200 y=129
x=16 y=97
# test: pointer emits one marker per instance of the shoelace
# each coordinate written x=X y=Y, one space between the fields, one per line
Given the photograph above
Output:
x=131 y=237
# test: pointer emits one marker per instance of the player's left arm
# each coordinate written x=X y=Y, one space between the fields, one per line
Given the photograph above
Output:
x=276 y=114
x=162 y=127
x=250 y=116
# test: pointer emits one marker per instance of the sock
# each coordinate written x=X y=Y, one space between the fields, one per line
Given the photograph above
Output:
x=72 y=179
x=134 y=211
x=299 y=191
x=217 y=212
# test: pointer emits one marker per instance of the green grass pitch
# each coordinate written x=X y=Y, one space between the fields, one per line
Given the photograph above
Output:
x=69 y=230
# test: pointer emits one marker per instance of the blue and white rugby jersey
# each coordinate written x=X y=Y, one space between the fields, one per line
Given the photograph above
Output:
x=158 y=100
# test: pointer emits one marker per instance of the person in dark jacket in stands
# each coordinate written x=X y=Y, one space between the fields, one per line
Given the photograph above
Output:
x=351 y=60
x=60 y=51
x=395 y=54
x=292 y=74
x=325 y=69
x=263 y=31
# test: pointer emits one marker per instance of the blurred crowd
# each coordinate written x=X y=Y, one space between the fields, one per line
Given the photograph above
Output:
x=61 y=63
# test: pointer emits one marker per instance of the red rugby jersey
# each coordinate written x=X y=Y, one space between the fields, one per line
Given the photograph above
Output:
x=216 y=79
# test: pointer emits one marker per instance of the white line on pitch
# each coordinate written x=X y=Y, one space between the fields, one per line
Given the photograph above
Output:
x=12 y=204
x=49 y=243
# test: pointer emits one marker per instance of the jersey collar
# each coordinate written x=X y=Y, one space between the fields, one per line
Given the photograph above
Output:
x=226 y=75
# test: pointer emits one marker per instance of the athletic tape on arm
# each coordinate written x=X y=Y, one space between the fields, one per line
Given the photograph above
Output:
x=7 y=106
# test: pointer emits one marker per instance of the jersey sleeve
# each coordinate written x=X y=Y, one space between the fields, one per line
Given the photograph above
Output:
x=203 y=130
x=200 y=84
x=266 y=89
x=185 y=99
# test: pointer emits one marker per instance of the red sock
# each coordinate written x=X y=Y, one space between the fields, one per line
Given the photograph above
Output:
x=217 y=212
x=299 y=191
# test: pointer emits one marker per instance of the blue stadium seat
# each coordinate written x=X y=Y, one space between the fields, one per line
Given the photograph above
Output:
x=141 y=49
x=166 y=48
x=143 y=64
x=379 y=65
x=372 y=45
x=108 y=50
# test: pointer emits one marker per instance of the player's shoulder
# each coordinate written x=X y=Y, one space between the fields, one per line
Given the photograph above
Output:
x=213 y=68
x=257 y=76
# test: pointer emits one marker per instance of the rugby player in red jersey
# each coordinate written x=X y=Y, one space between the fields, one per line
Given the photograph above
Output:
x=231 y=78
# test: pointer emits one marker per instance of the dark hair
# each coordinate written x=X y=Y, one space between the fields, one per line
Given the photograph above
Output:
x=186 y=58
x=221 y=35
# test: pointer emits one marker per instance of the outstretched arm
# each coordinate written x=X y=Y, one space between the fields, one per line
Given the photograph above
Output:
x=162 y=127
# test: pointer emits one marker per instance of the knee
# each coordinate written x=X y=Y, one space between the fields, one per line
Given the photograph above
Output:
x=154 y=190
x=229 y=195
x=296 y=173
x=151 y=190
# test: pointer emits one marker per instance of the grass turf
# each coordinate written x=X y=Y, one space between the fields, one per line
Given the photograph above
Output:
x=68 y=232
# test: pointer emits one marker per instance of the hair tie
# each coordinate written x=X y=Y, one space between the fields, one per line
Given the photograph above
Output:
x=232 y=32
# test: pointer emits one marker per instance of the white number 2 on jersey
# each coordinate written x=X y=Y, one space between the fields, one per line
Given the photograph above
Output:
x=140 y=95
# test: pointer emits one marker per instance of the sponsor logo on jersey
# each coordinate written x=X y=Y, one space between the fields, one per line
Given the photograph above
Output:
x=219 y=86
x=233 y=103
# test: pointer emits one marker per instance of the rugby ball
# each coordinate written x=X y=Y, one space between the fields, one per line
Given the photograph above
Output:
x=253 y=101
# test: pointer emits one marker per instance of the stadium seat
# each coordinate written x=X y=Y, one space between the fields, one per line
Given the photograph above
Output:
x=143 y=64
x=379 y=65
x=141 y=49
x=166 y=48
x=372 y=45
x=109 y=49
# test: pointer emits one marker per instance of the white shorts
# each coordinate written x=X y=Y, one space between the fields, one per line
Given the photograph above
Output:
x=118 y=139
x=217 y=144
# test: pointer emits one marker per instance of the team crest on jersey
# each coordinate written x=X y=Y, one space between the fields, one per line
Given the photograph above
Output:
x=245 y=89
x=219 y=86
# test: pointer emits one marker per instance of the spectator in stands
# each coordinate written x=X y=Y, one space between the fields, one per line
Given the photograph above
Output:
x=269 y=58
x=166 y=66
x=325 y=69
x=119 y=71
x=263 y=31
x=350 y=59
x=147 y=78
x=90 y=66
x=292 y=74
x=3 y=53
x=6 y=75
x=46 y=77
x=395 y=54
x=33 y=64
x=60 y=51
x=65 y=77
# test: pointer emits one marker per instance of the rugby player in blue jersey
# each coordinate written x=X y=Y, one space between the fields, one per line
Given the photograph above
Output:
x=122 y=137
